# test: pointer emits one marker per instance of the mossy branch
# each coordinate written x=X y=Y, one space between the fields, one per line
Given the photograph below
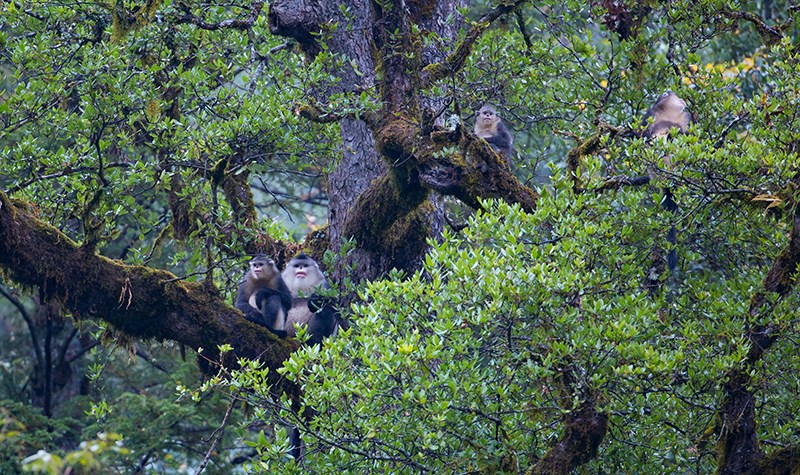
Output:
x=770 y=35
x=739 y=450
x=471 y=172
x=139 y=301
x=587 y=147
x=585 y=427
x=314 y=113
x=247 y=23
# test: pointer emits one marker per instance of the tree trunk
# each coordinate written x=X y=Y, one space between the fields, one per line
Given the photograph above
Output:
x=361 y=163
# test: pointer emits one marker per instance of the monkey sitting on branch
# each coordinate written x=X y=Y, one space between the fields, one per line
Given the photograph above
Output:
x=263 y=296
x=667 y=113
x=491 y=128
x=303 y=277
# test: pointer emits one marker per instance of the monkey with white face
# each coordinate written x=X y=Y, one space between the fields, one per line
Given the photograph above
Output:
x=667 y=113
x=263 y=296
x=489 y=127
x=303 y=277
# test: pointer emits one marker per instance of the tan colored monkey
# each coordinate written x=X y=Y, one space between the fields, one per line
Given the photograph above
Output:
x=491 y=128
x=667 y=113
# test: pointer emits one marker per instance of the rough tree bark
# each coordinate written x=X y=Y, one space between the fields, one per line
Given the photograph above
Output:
x=380 y=193
x=739 y=450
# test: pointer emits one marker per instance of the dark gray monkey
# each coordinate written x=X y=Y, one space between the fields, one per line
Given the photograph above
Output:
x=263 y=296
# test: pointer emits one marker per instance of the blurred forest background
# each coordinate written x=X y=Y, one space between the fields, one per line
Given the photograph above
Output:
x=505 y=316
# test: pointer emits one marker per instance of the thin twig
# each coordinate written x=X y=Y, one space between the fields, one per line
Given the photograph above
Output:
x=219 y=432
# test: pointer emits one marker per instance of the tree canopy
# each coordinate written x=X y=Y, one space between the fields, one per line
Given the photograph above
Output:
x=505 y=314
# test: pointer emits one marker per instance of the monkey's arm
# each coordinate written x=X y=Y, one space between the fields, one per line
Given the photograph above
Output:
x=242 y=303
x=271 y=310
x=282 y=295
x=258 y=315
x=285 y=295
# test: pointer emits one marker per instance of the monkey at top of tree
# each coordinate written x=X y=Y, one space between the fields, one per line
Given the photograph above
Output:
x=667 y=113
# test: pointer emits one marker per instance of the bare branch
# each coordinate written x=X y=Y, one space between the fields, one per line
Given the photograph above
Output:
x=220 y=430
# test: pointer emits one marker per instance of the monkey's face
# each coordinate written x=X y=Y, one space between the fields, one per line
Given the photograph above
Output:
x=302 y=268
x=487 y=115
x=263 y=268
x=302 y=275
x=670 y=103
x=300 y=271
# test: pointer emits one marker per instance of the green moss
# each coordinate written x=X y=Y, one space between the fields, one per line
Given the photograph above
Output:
x=237 y=191
x=124 y=21
x=785 y=461
x=317 y=242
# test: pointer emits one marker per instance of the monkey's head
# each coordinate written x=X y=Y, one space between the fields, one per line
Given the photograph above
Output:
x=487 y=115
x=262 y=268
x=486 y=123
x=669 y=103
x=302 y=275
x=668 y=112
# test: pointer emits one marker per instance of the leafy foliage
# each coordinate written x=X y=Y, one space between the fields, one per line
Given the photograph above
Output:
x=459 y=367
x=183 y=136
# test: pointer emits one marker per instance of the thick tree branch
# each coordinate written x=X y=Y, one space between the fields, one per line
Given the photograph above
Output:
x=417 y=165
x=781 y=462
x=739 y=448
x=380 y=206
x=770 y=35
x=471 y=173
x=139 y=301
x=587 y=147
x=298 y=19
x=584 y=429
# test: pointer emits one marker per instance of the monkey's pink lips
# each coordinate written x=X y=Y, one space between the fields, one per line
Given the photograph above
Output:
x=301 y=274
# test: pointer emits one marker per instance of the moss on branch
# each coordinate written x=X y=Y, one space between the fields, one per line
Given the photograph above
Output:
x=139 y=301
